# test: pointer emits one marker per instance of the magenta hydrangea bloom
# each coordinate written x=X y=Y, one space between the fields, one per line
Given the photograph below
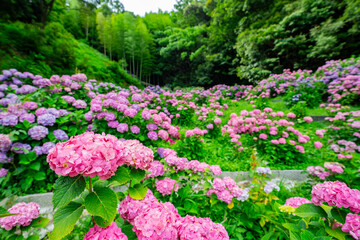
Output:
x=27 y=213
x=352 y=225
x=130 y=208
x=137 y=155
x=112 y=232
x=88 y=154
x=200 y=228
x=157 y=221
x=336 y=194
x=156 y=169
x=166 y=186
x=296 y=201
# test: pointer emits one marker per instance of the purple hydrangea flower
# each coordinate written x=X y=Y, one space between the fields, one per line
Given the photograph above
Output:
x=10 y=120
x=122 y=127
x=268 y=188
x=19 y=147
x=136 y=98
x=135 y=129
x=3 y=172
x=28 y=116
x=5 y=159
x=38 y=132
x=47 y=146
x=53 y=111
x=152 y=135
x=46 y=119
x=5 y=142
x=152 y=126
x=60 y=135
x=38 y=150
x=79 y=104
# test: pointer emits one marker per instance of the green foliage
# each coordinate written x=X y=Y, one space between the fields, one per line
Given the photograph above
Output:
x=66 y=189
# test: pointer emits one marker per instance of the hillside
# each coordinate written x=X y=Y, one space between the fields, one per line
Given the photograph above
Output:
x=55 y=51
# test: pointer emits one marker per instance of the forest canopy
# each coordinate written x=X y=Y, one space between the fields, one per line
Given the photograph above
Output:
x=200 y=43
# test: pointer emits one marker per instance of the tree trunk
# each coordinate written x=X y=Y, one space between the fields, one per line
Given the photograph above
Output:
x=46 y=9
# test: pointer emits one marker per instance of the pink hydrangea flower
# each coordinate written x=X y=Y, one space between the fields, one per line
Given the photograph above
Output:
x=352 y=225
x=191 y=228
x=130 y=208
x=157 y=221
x=296 y=201
x=27 y=213
x=318 y=145
x=308 y=119
x=111 y=232
x=166 y=186
x=88 y=154
x=336 y=194
x=217 y=121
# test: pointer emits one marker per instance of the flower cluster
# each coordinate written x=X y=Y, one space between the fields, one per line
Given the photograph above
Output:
x=155 y=220
x=27 y=212
x=336 y=194
x=110 y=232
x=97 y=155
x=226 y=189
x=352 y=225
x=166 y=186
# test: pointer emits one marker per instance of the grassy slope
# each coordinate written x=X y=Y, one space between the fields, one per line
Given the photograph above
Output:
x=55 y=51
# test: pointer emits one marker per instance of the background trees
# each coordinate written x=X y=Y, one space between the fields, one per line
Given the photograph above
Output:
x=205 y=42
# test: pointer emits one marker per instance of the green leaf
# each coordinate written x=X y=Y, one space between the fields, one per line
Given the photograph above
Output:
x=39 y=222
x=339 y=215
x=32 y=156
x=267 y=236
x=294 y=236
x=65 y=219
x=102 y=222
x=306 y=235
x=39 y=176
x=122 y=176
x=35 y=166
x=136 y=176
x=336 y=233
x=102 y=203
x=310 y=210
x=138 y=192
x=66 y=189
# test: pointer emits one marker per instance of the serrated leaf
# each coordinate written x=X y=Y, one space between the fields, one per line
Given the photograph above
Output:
x=122 y=176
x=310 y=210
x=102 y=203
x=138 y=192
x=65 y=219
x=66 y=189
